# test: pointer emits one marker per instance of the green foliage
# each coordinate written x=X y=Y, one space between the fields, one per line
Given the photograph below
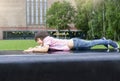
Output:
x=83 y=15
x=93 y=17
x=113 y=18
x=60 y=14
x=99 y=17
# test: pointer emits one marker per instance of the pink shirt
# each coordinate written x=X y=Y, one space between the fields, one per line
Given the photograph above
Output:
x=56 y=44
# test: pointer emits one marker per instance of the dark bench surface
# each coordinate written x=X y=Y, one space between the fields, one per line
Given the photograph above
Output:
x=89 y=65
x=55 y=56
x=19 y=52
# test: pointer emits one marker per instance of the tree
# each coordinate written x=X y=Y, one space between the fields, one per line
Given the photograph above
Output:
x=60 y=14
x=84 y=18
x=113 y=16
x=99 y=17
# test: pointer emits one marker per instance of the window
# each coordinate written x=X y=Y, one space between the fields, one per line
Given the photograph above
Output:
x=36 y=12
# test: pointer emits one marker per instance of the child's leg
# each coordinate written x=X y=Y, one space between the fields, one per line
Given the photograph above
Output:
x=81 y=44
x=98 y=42
x=85 y=44
x=107 y=45
x=113 y=44
x=104 y=42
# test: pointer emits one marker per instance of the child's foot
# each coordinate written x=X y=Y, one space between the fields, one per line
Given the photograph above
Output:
x=103 y=38
x=115 y=45
x=117 y=48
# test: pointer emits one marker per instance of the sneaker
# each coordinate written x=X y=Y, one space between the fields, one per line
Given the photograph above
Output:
x=117 y=48
x=103 y=38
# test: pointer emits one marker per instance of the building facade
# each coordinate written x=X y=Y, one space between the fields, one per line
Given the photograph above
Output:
x=24 y=15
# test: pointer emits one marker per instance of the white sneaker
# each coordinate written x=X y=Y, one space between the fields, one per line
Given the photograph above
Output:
x=117 y=48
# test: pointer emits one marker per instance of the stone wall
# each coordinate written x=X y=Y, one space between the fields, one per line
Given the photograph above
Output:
x=12 y=13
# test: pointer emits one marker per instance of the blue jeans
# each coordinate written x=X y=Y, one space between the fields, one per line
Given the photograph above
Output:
x=87 y=44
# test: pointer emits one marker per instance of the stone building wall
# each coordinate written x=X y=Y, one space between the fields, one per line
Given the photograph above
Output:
x=13 y=16
x=12 y=13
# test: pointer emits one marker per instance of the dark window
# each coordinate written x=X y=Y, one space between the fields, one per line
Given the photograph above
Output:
x=36 y=12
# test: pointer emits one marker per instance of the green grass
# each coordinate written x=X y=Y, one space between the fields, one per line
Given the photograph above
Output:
x=16 y=44
x=24 y=44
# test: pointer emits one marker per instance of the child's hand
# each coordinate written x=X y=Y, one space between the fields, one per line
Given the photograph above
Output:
x=30 y=50
x=38 y=46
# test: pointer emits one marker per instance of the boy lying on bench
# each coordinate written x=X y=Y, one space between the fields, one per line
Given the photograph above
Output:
x=47 y=42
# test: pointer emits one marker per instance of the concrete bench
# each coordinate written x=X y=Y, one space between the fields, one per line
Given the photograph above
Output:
x=92 y=65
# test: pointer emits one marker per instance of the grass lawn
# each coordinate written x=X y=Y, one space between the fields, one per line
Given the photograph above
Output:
x=16 y=44
x=24 y=44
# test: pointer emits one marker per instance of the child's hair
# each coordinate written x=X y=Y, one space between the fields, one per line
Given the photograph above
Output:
x=41 y=35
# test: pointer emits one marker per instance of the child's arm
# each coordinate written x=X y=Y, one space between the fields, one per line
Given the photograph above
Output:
x=41 y=49
x=38 y=49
